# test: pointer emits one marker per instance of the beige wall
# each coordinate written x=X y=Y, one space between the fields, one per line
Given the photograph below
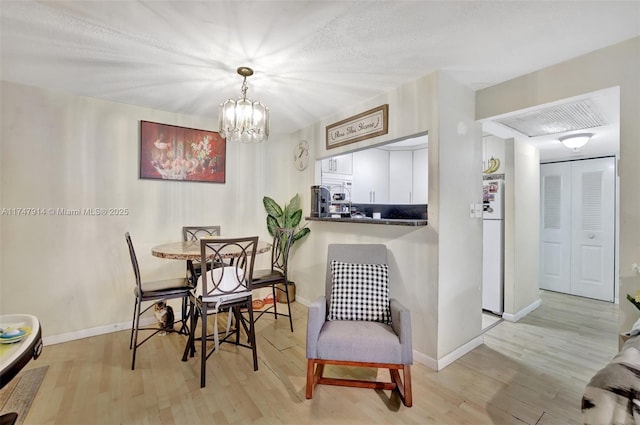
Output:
x=65 y=151
x=617 y=65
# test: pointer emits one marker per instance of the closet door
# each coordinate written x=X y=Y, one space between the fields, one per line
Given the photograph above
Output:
x=593 y=230
x=578 y=228
x=555 y=238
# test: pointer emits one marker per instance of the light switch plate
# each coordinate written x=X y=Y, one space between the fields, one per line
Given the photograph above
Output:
x=479 y=210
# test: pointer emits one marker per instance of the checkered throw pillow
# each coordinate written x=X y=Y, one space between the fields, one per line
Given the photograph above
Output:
x=360 y=292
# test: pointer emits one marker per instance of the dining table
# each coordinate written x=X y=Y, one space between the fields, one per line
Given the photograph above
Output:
x=190 y=250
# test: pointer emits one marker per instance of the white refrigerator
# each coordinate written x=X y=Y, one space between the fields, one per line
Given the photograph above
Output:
x=493 y=246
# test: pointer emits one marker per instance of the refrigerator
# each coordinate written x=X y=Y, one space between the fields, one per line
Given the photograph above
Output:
x=493 y=246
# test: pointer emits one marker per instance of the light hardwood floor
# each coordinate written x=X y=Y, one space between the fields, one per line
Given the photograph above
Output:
x=530 y=372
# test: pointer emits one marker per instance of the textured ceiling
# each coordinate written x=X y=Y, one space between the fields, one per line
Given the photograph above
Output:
x=310 y=57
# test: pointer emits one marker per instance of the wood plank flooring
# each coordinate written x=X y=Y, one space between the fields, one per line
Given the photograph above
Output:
x=530 y=372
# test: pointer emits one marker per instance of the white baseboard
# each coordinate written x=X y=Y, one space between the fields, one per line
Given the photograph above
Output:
x=305 y=302
x=100 y=330
x=520 y=314
x=449 y=358
x=116 y=327
x=423 y=359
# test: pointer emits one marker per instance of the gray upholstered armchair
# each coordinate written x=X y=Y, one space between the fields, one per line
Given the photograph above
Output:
x=359 y=327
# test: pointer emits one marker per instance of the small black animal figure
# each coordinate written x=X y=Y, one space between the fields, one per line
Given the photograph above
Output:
x=164 y=315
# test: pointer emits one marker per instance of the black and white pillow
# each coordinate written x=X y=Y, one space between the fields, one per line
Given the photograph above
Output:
x=360 y=292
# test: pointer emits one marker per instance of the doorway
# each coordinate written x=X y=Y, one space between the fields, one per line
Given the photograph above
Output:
x=577 y=235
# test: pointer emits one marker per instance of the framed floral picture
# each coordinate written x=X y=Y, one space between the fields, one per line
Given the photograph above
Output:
x=169 y=152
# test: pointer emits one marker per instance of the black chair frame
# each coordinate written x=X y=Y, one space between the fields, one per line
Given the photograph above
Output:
x=154 y=292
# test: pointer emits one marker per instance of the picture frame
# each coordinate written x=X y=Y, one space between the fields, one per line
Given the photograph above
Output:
x=169 y=152
x=368 y=124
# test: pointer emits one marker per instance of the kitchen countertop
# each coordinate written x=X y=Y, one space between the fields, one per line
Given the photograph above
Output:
x=388 y=221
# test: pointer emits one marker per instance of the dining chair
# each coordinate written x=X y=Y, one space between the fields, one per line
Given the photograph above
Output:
x=155 y=291
x=220 y=289
x=194 y=233
x=356 y=323
x=276 y=277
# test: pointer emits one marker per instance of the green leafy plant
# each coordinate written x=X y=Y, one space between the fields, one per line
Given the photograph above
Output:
x=288 y=217
x=635 y=301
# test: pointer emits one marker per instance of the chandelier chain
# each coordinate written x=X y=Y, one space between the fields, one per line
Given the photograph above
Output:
x=244 y=88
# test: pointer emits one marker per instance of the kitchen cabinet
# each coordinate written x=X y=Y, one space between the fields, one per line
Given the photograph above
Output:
x=370 y=177
x=408 y=176
x=400 y=177
x=396 y=173
x=420 y=176
x=342 y=164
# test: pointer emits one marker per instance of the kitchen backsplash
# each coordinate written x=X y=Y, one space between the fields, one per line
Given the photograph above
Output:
x=390 y=211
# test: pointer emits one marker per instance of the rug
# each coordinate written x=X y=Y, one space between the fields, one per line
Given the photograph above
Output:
x=18 y=394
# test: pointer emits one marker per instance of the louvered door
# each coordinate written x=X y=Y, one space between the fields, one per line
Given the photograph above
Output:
x=593 y=228
x=555 y=238
x=578 y=228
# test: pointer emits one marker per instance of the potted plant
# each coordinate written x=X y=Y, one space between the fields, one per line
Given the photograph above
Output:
x=287 y=217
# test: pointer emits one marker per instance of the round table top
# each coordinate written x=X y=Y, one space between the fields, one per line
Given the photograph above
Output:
x=190 y=250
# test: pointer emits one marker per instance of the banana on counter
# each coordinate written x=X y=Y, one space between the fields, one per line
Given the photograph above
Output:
x=494 y=165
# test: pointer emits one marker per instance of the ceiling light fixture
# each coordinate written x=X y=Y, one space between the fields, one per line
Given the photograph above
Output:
x=576 y=141
x=242 y=120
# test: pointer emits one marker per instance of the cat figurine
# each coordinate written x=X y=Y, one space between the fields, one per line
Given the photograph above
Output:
x=164 y=316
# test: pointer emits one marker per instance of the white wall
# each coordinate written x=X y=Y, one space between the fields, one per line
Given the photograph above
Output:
x=519 y=162
x=617 y=65
x=526 y=227
x=65 y=151
x=493 y=146
x=459 y=157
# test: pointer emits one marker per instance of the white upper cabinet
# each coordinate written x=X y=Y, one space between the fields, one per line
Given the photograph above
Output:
x=400 y=177
x=342 y=164
x=396 y=173
x=420 y=176
x=370 y=177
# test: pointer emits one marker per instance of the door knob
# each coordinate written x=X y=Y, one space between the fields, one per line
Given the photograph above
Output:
x=591 y=236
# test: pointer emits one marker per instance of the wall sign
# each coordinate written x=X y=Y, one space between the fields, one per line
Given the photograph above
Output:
x=366 y=125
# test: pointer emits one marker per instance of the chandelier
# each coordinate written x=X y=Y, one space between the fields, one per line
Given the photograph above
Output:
x=242 y=120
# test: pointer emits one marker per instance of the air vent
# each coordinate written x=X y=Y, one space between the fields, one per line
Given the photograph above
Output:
x=557 y=119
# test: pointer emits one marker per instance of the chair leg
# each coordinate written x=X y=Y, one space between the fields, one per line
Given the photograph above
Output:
x=133 y=322
x=403 y=385
x=313 y=376
x=408 y=394
x=286 y=291
x=309 y=389
x=203 y=348
x=252 y=335
x=193 y=320
x=135 y=332
x=184 y=329
x=275 y=301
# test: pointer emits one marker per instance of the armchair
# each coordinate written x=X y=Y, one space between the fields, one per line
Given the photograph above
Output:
x=369 y=340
